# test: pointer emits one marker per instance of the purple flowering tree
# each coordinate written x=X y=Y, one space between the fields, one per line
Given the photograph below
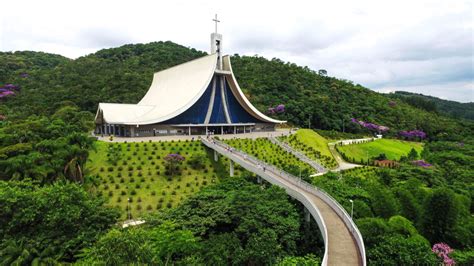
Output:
x=8 y=90
x=442 y=250
x=371 y=126
x=412 y=134
x=421 y=163
x=173 y=160
x=276 y=110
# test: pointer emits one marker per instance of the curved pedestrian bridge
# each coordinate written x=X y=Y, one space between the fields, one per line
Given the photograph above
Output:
x=342 y=240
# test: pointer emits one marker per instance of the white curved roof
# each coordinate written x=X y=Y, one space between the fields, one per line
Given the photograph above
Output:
x=172 y=92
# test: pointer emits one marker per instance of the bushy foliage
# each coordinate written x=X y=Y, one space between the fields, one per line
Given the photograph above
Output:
x=51 y=222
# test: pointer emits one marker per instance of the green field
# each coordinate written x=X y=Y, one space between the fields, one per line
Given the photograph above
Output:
x=392 y=148
x=312 y=145
x=270 y=153
x=140 y=173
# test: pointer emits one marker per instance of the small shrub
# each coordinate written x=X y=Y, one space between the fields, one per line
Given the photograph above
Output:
x=102 y=169
x=149 y=208
x=133 y=192
x=123 y=193
x=153 y=193
x=169 y=205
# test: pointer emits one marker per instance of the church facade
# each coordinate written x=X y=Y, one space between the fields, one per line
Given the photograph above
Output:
x=198 y=97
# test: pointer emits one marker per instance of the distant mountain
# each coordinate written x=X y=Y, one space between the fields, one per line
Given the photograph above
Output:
x=433 y=104
x=124 y=74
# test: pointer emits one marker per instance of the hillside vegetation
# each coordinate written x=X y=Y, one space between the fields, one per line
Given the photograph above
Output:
x=58 y=203
x=137 y=174
x=433 y=104
x=124 y=74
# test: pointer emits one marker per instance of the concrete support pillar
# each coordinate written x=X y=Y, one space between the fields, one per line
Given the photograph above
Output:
x=244 y=129
x=132 y=131
x=222 y=130
x=307 y=215
x=259 y=180
x=207 y=131
x=189 y=131
x=216 y=157
x=235 y=129
x=231 y=170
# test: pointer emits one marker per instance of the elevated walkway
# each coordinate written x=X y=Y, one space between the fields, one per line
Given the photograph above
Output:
x=343 y=242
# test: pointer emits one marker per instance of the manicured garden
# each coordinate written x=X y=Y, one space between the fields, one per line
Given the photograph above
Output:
x=273 y=154
x=392 y=149
x=312 y=145
x=153 y=176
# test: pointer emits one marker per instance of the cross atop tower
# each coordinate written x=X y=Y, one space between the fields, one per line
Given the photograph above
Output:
x=216 y=21
x=216 y=44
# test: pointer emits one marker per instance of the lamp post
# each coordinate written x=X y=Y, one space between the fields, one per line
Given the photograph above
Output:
x=352 y=208
x=128 y=208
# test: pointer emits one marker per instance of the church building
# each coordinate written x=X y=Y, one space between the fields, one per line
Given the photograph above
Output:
x=198 y=97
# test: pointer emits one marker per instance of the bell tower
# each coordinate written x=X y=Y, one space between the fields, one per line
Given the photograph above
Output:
x=216 y=44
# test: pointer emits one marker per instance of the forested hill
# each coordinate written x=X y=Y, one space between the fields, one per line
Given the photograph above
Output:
x=124 y=74
x=433 y=104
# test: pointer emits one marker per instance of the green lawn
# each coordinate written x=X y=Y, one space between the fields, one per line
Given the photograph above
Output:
x=270 y=153
x=392 y=148
x=140 y=173
x=313 y=145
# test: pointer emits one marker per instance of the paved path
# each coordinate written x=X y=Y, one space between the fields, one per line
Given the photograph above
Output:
x=343 y=242
x=316 y=165
x=253 y=135
x=342 y=165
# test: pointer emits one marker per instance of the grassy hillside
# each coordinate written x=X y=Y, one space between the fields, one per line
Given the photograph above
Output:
x=393 y=149
x=138 y=171
x=312 y=145
x=124 y=74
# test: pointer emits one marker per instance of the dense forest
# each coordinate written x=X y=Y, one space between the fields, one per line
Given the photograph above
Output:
x=50 y=211
x=124 y=74
x=433 y=104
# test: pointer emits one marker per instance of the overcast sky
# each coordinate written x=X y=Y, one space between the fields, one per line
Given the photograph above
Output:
x=418 y=46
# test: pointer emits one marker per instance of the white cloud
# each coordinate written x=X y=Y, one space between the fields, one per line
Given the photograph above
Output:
x=404 y=45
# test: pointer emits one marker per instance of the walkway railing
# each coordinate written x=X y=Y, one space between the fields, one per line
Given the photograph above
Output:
x=301 y=184
x=316 y=165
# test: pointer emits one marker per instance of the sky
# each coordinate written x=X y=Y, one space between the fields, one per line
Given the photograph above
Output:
x=386 y=45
